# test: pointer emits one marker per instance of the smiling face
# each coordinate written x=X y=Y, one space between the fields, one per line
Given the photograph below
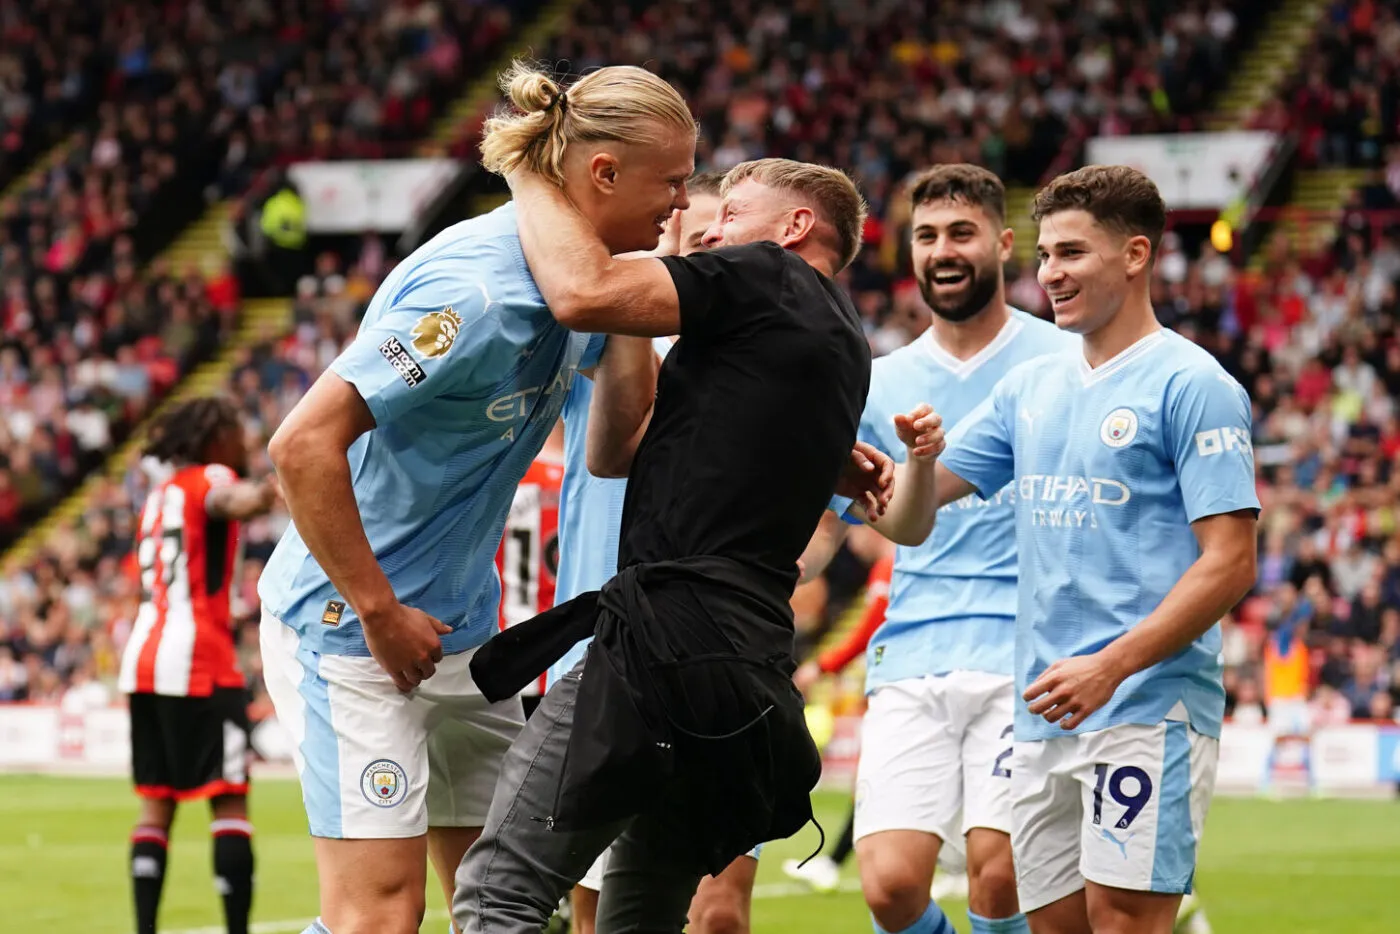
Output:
x=635 y=188
x=1086 y=269
x=958 y=251
x=750 y=213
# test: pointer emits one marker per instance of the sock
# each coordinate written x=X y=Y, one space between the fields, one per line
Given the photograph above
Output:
x=317 y=928
x=1016 y=924
x=933 y=921
x=846 y=842
x=147 y=875
x=233 y=870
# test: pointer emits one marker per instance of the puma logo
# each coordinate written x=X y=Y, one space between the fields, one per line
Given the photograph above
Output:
x=1121 y=844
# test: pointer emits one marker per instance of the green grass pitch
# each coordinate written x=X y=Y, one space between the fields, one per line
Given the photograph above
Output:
x=1294 y=867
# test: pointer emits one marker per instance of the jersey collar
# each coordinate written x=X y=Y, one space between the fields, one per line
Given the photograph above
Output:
x=1113 y=364
x=962 y=369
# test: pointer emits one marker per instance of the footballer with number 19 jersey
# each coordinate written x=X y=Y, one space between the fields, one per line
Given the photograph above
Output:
x=1110 y=467
x=942 y=659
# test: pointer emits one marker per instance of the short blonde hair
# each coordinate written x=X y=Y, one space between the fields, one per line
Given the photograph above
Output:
x=620 y=102
x=833 y=195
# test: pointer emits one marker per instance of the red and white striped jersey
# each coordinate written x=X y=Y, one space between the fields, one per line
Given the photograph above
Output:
x=181 y=644
x=528 y=558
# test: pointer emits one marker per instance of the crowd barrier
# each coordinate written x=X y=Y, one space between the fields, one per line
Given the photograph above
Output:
x=1356 y=758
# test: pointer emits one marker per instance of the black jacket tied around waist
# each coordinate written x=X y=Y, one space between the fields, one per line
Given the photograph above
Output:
x=686 y=693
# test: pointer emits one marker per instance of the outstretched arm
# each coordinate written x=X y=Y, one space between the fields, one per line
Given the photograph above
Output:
x=921 y=486
x=242 y=500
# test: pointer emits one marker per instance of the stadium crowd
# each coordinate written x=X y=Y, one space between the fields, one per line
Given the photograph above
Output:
x=65 y=617
x=1319 y=354
x=1342 y=97
x=85 y=345
x=50 y=75
x=888 y=89
x=187 y=101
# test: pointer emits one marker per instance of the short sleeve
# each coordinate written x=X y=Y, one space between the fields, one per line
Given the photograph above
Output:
x=428 y=342
x=711 y=287
x=980 y=448
x=1208 y=430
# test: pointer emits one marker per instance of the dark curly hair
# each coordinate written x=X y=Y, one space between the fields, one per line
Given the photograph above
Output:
x=185 y=432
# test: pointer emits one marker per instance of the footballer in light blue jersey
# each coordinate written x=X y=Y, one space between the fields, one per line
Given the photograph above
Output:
x=932 y=783
x=952 y=599
x=1136 y=519
x=465 y=371
x=1110 y=467
x=400 y=466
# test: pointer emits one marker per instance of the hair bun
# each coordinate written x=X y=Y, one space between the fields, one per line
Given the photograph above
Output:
x=531 y=91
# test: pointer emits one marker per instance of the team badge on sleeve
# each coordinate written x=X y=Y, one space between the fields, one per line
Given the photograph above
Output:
x=383 y=782
x=434 y=333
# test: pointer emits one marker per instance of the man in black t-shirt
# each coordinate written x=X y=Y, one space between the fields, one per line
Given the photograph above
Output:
x=732 y=452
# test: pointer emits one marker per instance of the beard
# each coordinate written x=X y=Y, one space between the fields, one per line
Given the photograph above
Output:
x=977 y=292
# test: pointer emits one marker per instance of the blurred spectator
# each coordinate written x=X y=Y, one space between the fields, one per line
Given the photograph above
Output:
x=1341 y=95
x=65 y=617
x=51 y=74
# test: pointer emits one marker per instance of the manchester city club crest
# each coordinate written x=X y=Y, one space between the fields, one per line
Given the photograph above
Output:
x=1119 y=428
x=383 y=782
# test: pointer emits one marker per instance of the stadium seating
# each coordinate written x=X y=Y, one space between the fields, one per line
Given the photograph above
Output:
x=73 y=606
x=886 y=90
x=1313 y=338
x=313 y=80
x=1342 y=95
x=52 y=70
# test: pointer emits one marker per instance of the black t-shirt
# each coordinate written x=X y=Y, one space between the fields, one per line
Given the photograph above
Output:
x=756 y=412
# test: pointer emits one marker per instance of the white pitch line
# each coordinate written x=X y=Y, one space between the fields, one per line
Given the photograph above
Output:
x=297 y=925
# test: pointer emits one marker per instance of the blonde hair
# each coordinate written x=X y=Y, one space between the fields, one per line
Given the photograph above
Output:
x=832 y=194
x=619 y=102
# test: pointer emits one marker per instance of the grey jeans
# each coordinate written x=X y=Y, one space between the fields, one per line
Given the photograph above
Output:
x=512 y=878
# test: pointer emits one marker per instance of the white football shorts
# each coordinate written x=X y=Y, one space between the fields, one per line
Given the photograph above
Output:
x=935 y=756
x=378 y=764
x=1122 y=806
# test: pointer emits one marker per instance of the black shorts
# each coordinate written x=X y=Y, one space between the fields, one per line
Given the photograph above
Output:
x=185 y=748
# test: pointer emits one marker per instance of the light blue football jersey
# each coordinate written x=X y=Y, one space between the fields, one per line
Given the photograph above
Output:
x=590 y=515
x=1111 y=466
x=952 y=599
x=465 y=371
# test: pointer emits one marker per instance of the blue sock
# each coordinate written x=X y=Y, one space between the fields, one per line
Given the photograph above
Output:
x=1016 y=924
x=317 y=928
x=933 y=921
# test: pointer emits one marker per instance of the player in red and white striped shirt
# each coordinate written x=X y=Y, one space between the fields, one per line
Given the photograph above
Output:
x=528 y=559
x=188 y=701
